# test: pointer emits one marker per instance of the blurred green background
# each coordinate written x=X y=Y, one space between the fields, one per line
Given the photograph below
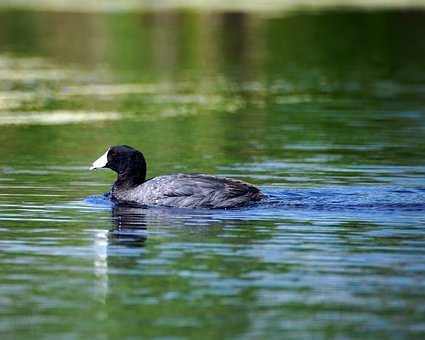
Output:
x=319 y=103
x=202 y=77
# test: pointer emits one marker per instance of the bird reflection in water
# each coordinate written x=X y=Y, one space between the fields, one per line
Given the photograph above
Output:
x=123 y=245
x=129 y=226
x=128 y=234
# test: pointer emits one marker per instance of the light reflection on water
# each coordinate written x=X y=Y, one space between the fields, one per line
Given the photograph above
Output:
x=351 y=254
x=325 y=253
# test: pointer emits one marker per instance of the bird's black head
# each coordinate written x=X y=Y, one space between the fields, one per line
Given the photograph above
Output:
x=127 y=162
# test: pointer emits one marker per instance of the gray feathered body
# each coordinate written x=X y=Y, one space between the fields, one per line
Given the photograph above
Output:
x=189 y=191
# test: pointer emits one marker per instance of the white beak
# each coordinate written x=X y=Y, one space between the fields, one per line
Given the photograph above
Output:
x=101 y=161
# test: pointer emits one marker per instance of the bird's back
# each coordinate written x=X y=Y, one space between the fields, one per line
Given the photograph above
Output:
x=192 y=191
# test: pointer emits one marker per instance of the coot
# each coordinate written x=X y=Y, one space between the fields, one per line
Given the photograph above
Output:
x=177 y=190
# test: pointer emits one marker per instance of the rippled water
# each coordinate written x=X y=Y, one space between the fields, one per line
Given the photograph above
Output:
x=330 y=125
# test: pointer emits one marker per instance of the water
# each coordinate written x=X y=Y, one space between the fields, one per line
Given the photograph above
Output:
x=324 y=110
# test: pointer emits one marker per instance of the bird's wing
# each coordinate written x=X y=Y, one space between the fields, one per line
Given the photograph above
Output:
x=196 y=190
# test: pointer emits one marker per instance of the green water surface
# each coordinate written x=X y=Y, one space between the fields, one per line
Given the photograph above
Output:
x=324 y=110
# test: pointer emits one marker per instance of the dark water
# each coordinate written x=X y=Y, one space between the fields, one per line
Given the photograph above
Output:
x=323 y=110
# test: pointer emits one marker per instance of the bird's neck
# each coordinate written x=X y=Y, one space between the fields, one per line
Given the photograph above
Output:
x=130 y=179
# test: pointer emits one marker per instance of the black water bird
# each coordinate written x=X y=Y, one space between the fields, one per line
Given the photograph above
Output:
x=177 y=190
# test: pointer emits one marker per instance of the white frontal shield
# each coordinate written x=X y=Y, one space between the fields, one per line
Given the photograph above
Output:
x=100 y=162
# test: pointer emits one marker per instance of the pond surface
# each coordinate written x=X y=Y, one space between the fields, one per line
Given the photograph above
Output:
x=325 y=111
